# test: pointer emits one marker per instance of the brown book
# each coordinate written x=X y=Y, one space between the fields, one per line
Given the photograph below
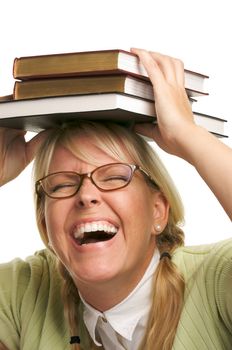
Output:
x=6 y=98
x=83 y=85
x=91 y=63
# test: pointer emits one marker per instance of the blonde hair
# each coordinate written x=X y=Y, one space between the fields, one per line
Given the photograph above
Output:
x=124 y=145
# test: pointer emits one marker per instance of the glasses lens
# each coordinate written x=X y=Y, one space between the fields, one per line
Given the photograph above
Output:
x=61 y=184
x=112 y=176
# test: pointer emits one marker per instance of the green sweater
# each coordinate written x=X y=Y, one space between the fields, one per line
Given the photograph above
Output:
x=31 y=312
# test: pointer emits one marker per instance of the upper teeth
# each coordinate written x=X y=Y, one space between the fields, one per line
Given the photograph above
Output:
x=93 y=227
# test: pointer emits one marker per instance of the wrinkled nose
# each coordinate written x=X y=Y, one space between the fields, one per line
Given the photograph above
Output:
x=88 y=194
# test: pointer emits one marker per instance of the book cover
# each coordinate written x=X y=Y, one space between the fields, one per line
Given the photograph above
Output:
x=91 y=63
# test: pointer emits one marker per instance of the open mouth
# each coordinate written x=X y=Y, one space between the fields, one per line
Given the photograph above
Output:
x=94 y=237
x=94 y=232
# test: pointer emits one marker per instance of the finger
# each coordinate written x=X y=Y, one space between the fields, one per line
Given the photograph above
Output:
x=158 y=138
x=172 y=68
x=12 y=131
x=7 y=135
x=150 y=64
x=180 y=73
x=152 y=132
x=166 y=65
x=34 y=144
x=145 y=129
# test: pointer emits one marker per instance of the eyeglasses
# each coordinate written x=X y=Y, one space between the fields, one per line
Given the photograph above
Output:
x=109 y=177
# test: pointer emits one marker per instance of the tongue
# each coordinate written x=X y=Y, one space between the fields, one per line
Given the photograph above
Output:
x=94 y=237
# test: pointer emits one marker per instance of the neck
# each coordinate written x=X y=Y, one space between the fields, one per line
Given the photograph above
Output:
x=104 y=295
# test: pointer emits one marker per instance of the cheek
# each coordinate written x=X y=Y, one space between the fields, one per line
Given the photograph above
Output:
x=55 y=214
x=54 y=219
x=136 y=209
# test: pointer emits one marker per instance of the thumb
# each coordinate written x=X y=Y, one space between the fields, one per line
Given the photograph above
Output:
x=152 y=131
x=145 y=129
x=34 y=144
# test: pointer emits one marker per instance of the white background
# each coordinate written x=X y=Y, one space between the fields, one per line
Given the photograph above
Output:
x=198 y=32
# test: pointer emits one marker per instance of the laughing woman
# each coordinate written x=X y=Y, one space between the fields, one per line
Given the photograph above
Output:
x=115 y=273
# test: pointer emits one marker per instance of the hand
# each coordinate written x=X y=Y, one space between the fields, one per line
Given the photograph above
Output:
x=15 y=152
x=173 y=109
x=176 y=131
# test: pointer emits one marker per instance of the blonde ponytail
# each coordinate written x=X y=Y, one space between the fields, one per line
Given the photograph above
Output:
x=71 y=302
x=168 y=293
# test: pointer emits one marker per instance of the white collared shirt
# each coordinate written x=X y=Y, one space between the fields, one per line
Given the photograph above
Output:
x=124 y=325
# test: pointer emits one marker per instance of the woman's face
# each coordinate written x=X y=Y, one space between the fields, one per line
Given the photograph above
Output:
x=130 y=211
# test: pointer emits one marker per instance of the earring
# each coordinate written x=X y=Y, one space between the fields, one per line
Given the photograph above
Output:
x=158 y=228
x=49 y=244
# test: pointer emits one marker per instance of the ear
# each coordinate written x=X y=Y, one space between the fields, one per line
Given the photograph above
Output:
x=160 y=213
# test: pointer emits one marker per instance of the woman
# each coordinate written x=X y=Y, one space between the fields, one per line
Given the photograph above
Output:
x=110 y=217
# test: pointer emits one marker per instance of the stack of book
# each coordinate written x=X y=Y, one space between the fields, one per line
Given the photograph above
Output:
x=97 y=85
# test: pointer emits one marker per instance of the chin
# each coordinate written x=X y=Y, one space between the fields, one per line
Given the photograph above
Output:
x=97 y=273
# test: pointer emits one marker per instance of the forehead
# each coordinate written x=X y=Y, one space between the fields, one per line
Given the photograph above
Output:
x=81 y=154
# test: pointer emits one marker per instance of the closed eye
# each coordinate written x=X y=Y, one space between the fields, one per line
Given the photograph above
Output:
x=115 y=178
x=64 y=186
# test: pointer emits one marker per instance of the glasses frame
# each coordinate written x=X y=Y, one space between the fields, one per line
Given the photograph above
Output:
x=89 y=175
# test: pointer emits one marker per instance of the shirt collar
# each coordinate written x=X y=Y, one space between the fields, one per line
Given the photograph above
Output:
x=125 y=326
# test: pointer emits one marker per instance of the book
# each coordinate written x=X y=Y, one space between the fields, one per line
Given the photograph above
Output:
x=42 y=113
x=214 y=124
x=92 y=63
x=121 y=83
x=7 y=98
x=83 y=85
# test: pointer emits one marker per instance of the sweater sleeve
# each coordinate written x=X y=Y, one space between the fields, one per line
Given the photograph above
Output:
x=206 y=319
x=31 y=311
x=223 y=286
x=14 y=280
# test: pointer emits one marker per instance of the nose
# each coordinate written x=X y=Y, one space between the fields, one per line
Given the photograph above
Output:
x=88 y=194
